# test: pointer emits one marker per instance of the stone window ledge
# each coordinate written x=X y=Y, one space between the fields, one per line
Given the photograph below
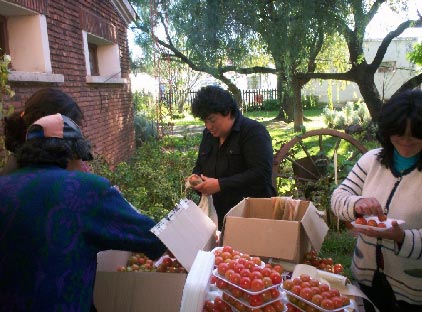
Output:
x=17 y=76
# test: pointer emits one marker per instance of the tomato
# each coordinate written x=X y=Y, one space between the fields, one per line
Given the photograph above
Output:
x=317 y=299
x=255 y=300
x=324 y=287
x=372 y=223
x=326 y=294
x=278 y=306
x=382 y=225
x=361 y=221
x=228 y=249
x=334 y=292
x=221 y=284
x=266 y=296
x=245 y=273
x=256 y=275
x=327 y=304
x=208 y=306
x=288 y=284
x=346 y=300
x=337 y=302
x=338 y=268
x=257 y=284
x=256 y=260
x=236 y=292
x=305 y=278
x=266 y=272
x=245 y=282
x=222 y=268
x=275 y=293
x=382 y=218
x=305 y=285
x=315 y=290
x=276 y=277
x=235 y=278
x=314 y=282
x=278 y=268
x=306 y=293
x=267 y=282
x=269 y=308
x=228 y=274
x=296 y=290
x=238 y=267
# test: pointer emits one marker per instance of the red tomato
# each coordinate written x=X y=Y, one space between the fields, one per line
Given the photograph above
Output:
x=305 y=278
x=235 y=278
x=276 y=278
x=267 y=282
x=245 y=282
x=288 y=284
x=221 y=284
x=228 y=249
x=266 y=272
x=361 y=221
x=278 y=306
x=338 y=268
x=306 y=293
x=257 y=284
x=266 y=296
x=327 y=304
x=278 y=268
x=382 y=225
x=337 y=302
x=222 y=268
x=256 y=275
x=317 y=299
x=255 y=300
x=275 y=293
x=245 y=272
x=236 y=292
x=296 y=290
x=346 y=300
x=382 y=218
x=324 y=287
x=269 y=308
x=373 y=223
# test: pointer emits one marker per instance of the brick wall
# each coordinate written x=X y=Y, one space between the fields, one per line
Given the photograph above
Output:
x=107 y=108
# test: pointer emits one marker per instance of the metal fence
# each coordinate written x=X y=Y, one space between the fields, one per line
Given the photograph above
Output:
x=252 y=99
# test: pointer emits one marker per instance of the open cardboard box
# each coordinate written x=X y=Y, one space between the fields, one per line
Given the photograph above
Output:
x=184 y=231
x=249 y=228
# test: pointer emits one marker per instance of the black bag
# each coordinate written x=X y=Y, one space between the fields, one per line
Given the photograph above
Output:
x=383 y=294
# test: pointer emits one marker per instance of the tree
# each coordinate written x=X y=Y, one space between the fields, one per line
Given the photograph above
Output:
x=362 y=72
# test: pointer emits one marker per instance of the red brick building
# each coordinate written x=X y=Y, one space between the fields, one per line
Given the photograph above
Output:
x=81 y=47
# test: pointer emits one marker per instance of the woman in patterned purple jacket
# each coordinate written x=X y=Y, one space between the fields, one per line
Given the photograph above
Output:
x=54 y=221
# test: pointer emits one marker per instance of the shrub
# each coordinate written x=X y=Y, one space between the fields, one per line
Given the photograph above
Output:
x=145 y=129
x=270 y=105
x=153 y=180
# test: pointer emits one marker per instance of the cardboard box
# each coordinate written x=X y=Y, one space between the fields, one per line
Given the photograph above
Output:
x=184 y=231
x=134 y=291
x=249 y=228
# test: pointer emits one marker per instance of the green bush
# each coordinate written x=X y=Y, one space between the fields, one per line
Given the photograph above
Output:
x=153 y=180
x=145 y=129
x=270 y=105
x=311 y=102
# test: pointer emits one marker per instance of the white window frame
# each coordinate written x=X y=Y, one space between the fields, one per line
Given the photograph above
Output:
x=28 y=45
x=108 y=58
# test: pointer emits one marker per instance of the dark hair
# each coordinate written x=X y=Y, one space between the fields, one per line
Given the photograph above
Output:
x=211 y=100
x=44 y=102
x=406 y=106
x=53 y=151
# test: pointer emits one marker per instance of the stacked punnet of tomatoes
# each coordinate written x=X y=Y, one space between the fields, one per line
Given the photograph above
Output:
x=139 y=262
x=321 y=263
x=307 y=294
x=247 y=283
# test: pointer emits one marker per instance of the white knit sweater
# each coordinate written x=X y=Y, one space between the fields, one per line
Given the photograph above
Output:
x=402 y=266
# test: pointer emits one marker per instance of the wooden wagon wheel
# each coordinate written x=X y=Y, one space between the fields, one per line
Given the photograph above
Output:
x=304 y=166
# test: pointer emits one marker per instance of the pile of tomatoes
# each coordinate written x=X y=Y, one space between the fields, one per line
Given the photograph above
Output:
x=371 y=222
x=324 y=264
x=141 y=263
x=247 y=283
x=309 y=294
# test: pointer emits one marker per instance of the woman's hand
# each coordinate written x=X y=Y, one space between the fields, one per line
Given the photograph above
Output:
x=209 y=186
x=395 y=233
x=369 y=206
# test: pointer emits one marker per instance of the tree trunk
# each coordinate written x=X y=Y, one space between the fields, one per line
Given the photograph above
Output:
x=298 y=108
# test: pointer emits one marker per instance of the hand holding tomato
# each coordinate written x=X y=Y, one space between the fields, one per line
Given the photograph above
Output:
x=369 y=206
x=209 y=186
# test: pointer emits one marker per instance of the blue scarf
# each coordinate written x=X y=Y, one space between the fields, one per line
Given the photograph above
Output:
x=402 y=163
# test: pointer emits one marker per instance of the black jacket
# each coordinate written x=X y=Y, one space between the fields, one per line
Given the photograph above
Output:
x=242 y=165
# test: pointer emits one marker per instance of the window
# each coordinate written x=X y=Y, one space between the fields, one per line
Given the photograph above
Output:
x=93 y=61
x=102 y=60
x=386 y=67
x=254 y=82
x=3 y=38
x=23 y=35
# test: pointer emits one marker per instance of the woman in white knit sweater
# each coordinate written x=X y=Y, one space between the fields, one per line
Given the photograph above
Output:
x=388 y=181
